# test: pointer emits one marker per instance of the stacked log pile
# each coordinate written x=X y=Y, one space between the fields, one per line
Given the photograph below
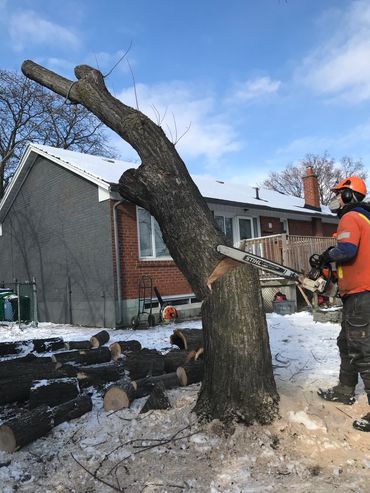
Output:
x=46 y=390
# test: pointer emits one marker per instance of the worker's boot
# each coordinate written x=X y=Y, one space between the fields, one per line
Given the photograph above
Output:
x=340 y=393
x=362 y=424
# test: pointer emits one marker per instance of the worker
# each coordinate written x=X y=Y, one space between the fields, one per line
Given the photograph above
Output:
x=351 y=255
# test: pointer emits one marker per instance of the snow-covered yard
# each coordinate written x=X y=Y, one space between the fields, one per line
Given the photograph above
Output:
x=311 y=448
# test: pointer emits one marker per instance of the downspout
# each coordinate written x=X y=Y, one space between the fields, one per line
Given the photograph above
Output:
x=118 y=263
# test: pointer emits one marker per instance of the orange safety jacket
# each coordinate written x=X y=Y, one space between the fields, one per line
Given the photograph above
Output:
x=354 y=235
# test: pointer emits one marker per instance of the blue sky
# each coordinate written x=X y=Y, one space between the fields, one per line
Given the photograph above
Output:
x=260 y=83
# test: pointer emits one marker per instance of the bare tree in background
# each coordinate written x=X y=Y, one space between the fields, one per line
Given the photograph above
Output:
x=30 y=113
x=328 y=171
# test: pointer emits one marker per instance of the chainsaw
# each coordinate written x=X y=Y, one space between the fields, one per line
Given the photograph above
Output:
x=318 y=280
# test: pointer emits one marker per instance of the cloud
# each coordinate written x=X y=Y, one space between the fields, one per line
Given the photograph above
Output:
x=253 y=89
x=340 y=66
x=27 y=28
x=192 y=121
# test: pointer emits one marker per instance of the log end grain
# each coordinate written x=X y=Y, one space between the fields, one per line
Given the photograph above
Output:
x=181 y=375
x=115 y=350
x=8 y=442
x=178 y=339
x=115 y=398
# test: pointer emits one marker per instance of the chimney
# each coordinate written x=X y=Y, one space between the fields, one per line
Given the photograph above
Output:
x=311 y=190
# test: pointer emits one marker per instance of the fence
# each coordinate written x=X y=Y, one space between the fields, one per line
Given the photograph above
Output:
x=290 y=250
x=18 y=301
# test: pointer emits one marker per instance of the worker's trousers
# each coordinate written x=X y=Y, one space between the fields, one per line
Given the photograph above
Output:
x=354 y=341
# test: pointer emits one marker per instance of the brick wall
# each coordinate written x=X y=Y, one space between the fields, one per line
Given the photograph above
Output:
x=276 y=226
x=164 y=273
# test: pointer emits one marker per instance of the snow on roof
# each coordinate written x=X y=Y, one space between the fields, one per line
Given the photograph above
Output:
x=110 y=170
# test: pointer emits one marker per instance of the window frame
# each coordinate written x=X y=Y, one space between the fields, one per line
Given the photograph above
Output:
x=153 y=257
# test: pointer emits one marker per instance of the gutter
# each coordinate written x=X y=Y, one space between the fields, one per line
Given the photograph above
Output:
x=119 y=310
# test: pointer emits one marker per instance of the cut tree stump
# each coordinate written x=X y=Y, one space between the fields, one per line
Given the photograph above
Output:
x=117 y=348
x=144 y=386
x=144 y=363
x=88 y=356
x=31 y=425
x=70 y=345
x=119 y=395
x=99 y=339
x=190 y=373
x=37 y=345
x=188 y=339
x=53 y=392
x=157 y=399
x=94 y=374
x=175 y=358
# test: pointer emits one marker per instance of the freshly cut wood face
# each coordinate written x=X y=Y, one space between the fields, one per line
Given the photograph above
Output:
x=115 y=399
x=7 y=439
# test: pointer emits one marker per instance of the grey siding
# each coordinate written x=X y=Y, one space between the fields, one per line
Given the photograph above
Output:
x=58 y=232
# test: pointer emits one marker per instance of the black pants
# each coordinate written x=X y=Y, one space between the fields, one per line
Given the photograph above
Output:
x=354 y=341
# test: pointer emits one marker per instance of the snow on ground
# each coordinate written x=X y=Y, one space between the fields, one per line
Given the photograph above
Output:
x=311 y=448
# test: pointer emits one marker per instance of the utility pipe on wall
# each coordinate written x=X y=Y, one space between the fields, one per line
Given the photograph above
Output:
x=118 y=263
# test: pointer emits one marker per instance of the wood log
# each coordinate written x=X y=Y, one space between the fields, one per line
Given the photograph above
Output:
x=70 y=345
x=188 y=339
x=29 y=426
x=30 y=365
x=119 y=395
x=53 y=392
x=94 y=374
x=117 y=348
x=99 y=339
x=157 y=399
x=37 y=345
x=88 y=356
x=24 y=429
x=144 y=386
x=143 y=363
x=175 y=358
x=71 y=409
x=190 y=373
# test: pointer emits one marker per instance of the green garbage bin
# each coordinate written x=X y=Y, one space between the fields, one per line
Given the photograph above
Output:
x=4 y=293
x=25 y=303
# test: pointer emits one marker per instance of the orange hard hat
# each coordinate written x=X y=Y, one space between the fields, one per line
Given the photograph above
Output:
x=354 y=183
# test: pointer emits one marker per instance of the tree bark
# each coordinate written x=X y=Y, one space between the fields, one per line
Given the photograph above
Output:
x=190 y=373
x=191 y=236
x=144 y=363
x=88 y=356
x=144 y=386
x=31 y=425
x=174 y=359
x=53 y=392
x=37 y=345
x=188 y=339
x=95 y=375
x=157 y=399
x=119 y=395
x=99 y=339
x=117 y=348
x=70 y=345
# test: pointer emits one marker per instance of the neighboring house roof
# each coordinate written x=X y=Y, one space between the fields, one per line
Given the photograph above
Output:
x=105 y=172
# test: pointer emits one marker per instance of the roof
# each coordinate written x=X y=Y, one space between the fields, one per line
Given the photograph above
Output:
x=106 y=172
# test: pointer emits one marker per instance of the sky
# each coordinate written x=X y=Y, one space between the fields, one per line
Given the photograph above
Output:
x=244 y=87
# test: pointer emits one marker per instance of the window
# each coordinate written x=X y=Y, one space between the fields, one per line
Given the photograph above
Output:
x=151 y=244
x=225 y=224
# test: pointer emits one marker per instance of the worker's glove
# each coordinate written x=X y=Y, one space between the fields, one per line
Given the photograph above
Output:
x=325 y=257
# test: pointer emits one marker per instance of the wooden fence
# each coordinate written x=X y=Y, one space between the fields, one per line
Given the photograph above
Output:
x=290 y=250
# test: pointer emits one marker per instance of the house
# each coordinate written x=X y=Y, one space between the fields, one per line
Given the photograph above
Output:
x=63 y=222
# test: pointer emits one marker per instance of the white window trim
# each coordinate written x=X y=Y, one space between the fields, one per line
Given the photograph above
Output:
x=237 y=228
x=154 y=256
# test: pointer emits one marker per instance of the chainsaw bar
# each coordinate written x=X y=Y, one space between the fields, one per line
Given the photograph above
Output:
x=259 y=262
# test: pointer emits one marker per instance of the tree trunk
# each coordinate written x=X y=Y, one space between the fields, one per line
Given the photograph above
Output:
x=239 y=331
x=119 y=395
x=191 y=236
x=53 y=392
x=144 y=386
